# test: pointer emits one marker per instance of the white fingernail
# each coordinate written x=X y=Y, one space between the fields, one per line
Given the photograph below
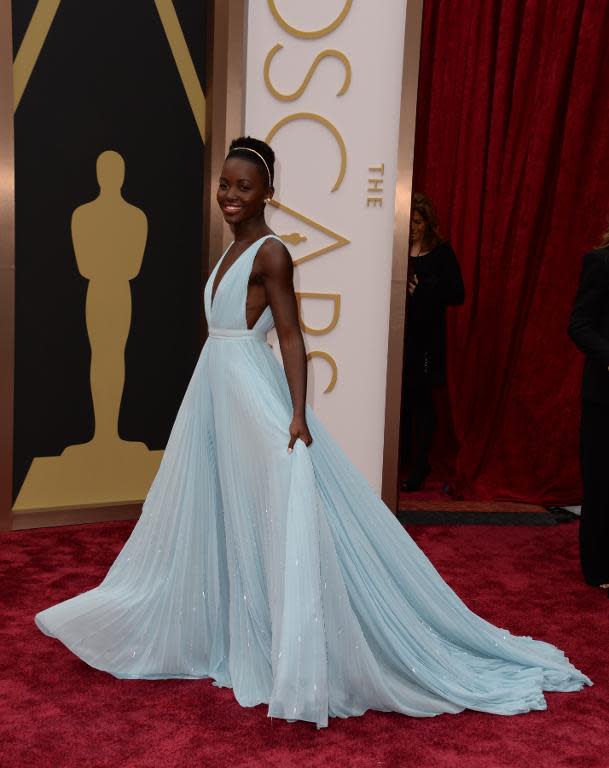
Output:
x=289 y=450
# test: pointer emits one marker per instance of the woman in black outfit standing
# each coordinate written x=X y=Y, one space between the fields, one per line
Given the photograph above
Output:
x=434 y=281
x=589 y=329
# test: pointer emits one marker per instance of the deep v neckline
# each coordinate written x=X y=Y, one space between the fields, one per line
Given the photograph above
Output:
x=215 y=288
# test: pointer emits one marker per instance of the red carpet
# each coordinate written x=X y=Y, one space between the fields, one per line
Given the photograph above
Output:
x=57 y=712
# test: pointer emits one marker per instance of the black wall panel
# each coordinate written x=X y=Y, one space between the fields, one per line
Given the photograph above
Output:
x=105 y=79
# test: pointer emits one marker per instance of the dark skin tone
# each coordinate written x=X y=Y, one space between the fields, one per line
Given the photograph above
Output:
x=242 y=191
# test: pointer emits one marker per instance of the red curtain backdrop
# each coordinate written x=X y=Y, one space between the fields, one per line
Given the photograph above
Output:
x=512 y=144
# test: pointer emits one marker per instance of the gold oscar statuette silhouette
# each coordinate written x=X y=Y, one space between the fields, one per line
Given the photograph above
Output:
x=109 y=237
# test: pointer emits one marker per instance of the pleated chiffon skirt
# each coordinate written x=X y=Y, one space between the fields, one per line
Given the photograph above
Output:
x=283 y=575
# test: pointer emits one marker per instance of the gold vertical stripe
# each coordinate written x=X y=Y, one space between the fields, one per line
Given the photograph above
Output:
x=7 y=266
x=181 y=54
x=224 y=114
x=30 y=48
x=399 y=268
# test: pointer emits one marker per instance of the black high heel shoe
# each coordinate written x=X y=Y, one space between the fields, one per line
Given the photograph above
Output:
x=415 y=479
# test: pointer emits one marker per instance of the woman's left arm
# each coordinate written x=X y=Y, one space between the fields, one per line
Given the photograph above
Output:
x=277 y=271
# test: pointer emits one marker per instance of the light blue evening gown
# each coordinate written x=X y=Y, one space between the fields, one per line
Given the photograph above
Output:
x=283 y=575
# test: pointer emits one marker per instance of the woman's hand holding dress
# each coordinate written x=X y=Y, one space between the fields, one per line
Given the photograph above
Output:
x=277 y=272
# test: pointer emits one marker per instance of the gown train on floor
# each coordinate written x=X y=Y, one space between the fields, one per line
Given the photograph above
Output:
x=283 y=575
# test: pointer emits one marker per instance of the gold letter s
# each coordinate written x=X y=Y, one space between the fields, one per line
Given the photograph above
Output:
x=329 y=53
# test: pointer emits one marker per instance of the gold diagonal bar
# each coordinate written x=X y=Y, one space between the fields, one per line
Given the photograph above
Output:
x=181 y=54
x=31 y=45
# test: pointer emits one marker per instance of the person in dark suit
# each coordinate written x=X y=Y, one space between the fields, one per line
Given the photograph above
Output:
x=434 y=282
x=589 y=329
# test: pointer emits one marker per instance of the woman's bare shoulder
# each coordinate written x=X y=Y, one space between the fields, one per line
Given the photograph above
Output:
x=274 y=258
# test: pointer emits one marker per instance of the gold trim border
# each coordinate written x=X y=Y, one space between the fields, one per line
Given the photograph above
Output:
x=399 y=269
x=7 y=264
x=49 y=518
x=225 y=114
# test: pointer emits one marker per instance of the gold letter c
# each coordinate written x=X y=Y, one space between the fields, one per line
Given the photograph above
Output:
x=327 y=124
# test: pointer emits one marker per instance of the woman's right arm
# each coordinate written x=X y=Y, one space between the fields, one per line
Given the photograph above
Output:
x=591 y=298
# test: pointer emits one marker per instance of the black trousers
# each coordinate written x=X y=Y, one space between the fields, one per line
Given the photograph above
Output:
x=419 y=419
x=594 y=525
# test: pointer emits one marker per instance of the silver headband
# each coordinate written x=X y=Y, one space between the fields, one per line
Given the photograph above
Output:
x=249 y=149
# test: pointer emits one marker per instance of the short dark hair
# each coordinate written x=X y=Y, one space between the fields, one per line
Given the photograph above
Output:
x=249 y=149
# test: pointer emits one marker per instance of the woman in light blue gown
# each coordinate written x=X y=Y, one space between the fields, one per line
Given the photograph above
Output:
x=263 y=559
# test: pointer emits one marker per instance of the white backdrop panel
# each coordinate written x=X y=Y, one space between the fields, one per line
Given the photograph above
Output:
x=356 y=131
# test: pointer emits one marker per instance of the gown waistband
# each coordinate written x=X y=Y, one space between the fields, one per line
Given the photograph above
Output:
x=237 y=333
